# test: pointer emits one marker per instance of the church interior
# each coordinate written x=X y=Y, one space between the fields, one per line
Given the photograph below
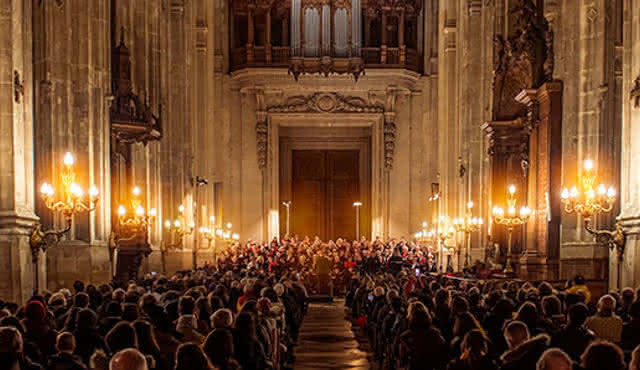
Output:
x=151 y=137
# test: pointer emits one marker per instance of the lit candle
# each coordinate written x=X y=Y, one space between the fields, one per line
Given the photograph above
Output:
x=75 y=190
x=212 y=219
x=136 y=191
x=512 y=189
x=167 y=224
x=122 y=211
x=93 y=191
x=181 y=209
x=602 y=190
x=140 y=211
x=153 y=212
x=470 y=204
x=177 y=223
x=235 y=236
x=68 y=159
x=588 y=165
x=565 y=193
x=611 y=193
x=229 y=225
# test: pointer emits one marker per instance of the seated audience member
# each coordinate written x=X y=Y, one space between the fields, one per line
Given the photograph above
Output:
x=524 y=351
x=602 y=355
x=191 y=357
x=630 y=337
x=554 y=359
x=12 y=356
x=65 y=359
x=128 y=359
x=475 y=353
x=421 y=346
x=605 y=324
x=574 y=337
x=219 y=349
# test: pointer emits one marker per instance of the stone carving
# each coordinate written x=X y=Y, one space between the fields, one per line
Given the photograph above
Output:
x=18 y=87
x=132 y=120
x=261 y=140
x=635 y=93
x=523 y=60
x=389 y=139
x=325 y=102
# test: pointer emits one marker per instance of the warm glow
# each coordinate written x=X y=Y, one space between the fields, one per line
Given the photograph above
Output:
x=525 y=212
x=511 y=211
x=219 y=232
x=153 y=212
x=470 y=204
x=235 y=236
x=93 y=191
x=357 y=204
x=424 y=224
x=167 y=224
x=46 y=189
x=611 y=193
x=177 y=223
x=512 y=189
x=76 y=190
x=588 y=165
x=181 y=209
x=68 y=159
x=229 y=225
x=602 y=190
x=212 y=219
x=574 y=192
x=192 y=225
x=136 y=191
x=122 y=211
x=140 y=211
x=418 y=235
x=565 y=193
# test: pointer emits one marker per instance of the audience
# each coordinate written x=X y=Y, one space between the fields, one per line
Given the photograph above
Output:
x=245 y=311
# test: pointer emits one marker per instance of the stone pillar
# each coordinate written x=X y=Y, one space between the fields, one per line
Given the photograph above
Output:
x=383 y=38
x=71 y=64
x=630 y=186
x=267 y=47
x=16 y=150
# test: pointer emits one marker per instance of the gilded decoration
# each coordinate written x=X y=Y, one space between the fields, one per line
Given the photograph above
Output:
x=321 y=102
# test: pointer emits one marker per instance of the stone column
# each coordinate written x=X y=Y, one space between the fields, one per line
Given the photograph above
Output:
x=403 y=47
x=383 y=37
x=630 y=186
x=267 y=47
x=16 y=150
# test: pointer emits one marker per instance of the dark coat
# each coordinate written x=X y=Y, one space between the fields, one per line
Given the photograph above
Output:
x=423 y=348
x=65 y=361
x=526 y=355
x=485 y=363
x=573 y=340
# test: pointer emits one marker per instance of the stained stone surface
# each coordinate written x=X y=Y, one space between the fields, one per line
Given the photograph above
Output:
x=326 y=340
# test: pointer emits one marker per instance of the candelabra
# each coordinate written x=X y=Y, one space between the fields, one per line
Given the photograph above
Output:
x=590 y=200
x=68 y=205
x=511 y=220
x=357 y=206
x=212 y=233
x=467 y=225
x=424 y=235
x=287 y=205
x=140 y=220
x=178 y=229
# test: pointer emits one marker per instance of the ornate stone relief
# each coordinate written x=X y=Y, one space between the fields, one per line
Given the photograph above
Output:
x=523 y=60
x=635 y=93
x=18 y=87
x=322 y=102
x=328 y=102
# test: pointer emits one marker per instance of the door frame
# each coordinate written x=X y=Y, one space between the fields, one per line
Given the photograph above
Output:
x=314 y=139
x=378 y=183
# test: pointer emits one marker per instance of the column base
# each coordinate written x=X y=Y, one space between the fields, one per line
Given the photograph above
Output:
x=630 y=269
x=16 y=267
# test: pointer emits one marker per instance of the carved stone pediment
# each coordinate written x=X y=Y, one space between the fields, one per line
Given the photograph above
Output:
x=325 y=102
x=523 y=60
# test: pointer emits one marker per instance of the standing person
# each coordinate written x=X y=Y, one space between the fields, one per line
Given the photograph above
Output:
x=65 y=359
x=322 y=267
x=190 y=356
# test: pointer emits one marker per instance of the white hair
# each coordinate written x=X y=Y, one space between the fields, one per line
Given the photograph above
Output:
x=554 y=355
x=128 y=359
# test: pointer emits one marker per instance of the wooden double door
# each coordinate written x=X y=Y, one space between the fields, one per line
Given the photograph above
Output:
x=324 y=185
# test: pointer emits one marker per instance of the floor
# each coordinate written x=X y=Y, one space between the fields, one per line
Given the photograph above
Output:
x=326 y=340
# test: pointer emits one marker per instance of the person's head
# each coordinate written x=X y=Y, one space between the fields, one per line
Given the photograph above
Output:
x=551 y=306
x=128 y=359
x=516 y=333
x=10 y=340
x=606 y=305
x=245 y=325
x=81 y=300
x=628 y=296
x=78 y=286
x=114 y=309
x=464 y=323
x=635 y=359
x=130 y=312
x=57 y=300
x=528 y=313
x=66 y=342
x=418 y=316
x=578 y=280
x=186 y=305
x=602 y=355
x=145 y=336
x=554 y=359
x=121 y=336
x=219 y=347
x=475 y=344
x=190 y=356
x=634 y=311
x=222 y=318
x=578 y=314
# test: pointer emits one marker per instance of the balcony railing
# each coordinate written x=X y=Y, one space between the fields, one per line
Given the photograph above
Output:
x=373 y=57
